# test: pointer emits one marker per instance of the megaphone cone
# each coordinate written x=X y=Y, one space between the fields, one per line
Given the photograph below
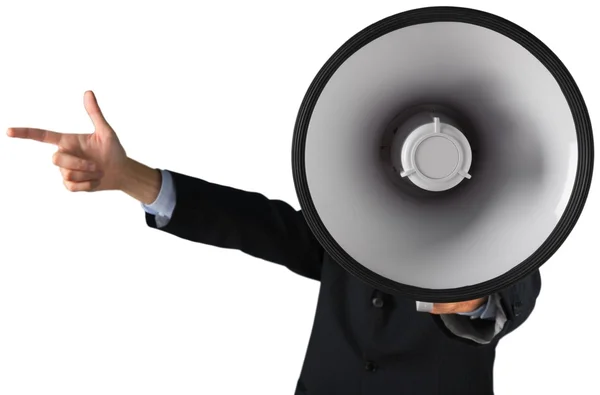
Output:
x=442 y=153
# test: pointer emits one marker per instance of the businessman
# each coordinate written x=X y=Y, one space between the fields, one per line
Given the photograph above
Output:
x=363 y=341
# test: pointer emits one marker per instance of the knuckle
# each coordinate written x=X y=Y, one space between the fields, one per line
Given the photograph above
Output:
x=68 y=175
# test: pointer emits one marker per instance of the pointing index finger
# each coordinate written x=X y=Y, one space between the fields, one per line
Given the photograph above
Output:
x=45 y=136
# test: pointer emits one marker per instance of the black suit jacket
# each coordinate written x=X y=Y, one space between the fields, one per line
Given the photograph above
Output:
x=356 y=346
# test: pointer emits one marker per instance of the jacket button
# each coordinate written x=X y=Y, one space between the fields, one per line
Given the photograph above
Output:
x=377 y=302
x=370 y=366
x=517 y=308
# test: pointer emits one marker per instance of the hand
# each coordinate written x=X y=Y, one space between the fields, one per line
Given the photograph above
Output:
x=458 y=307
x=88 y=162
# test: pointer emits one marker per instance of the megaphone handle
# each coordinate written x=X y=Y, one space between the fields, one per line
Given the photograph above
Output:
x=425 y=307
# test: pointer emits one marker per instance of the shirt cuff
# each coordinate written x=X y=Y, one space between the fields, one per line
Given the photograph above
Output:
x=485 y=311
x=464 y=327
x=164 y=204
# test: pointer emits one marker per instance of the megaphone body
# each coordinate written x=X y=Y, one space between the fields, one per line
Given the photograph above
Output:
x=442 y=154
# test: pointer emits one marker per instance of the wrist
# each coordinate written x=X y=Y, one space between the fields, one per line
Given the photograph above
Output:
x=140 y=181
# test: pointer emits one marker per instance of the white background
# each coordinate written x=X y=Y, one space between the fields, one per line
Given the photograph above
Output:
x=92 y=301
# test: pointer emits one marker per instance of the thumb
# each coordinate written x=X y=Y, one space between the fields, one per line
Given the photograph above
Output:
x=93 y=110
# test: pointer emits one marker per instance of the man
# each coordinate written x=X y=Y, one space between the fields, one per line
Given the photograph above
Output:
x=363 y=341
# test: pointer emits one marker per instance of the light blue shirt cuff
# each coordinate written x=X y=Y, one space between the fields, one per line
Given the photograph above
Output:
x=164 y=204
x=482 y=334
x=485 y=311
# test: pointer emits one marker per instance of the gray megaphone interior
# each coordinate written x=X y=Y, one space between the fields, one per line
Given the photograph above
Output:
x=523 y=170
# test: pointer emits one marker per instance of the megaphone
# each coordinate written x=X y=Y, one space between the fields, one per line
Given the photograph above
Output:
x=442 y=154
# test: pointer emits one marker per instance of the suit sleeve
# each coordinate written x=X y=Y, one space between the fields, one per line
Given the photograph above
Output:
x=231 y=218
x=514 y=305
x=518 y=301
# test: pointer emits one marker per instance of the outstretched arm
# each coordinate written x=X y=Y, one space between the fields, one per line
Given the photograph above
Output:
x=225 y=217
x=203 y=212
